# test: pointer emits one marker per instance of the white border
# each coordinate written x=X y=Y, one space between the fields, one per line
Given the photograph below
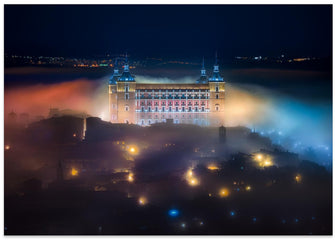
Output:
x=136 y=2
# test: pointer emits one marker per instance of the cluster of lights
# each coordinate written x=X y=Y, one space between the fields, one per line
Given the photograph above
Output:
x=263 y=161
x=192 y=181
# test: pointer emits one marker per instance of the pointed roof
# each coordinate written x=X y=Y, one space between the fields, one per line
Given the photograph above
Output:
x=116 y=75
x=216 y=73
x=126 y=76
x=203 y=76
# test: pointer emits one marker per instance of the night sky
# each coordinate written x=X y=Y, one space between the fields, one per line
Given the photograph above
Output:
x=169 y=30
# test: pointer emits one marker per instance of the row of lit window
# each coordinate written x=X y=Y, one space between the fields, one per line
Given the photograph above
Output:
x=171 y=97
x=176 y=109
x=176 y=121
x=170 y=104
x=183 y=116
x=172 y=91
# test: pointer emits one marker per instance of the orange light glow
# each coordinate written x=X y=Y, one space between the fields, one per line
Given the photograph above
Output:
x=132 y=149
x=7 y=147
x=142 y=201
x=193 y=181
x=130 y=177
x=212 y=167
x=224 y=192
x=74 y=172
x=298 y=178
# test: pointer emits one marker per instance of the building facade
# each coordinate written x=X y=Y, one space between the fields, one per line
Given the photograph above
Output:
x=200 y=103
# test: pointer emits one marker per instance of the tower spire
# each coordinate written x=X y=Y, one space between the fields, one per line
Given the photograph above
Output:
x=126 y=65
x=216 y=74
x=203 y=70
x=216 y=66
x=116 y=69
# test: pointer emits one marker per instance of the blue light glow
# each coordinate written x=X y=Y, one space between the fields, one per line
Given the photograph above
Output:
x=232 y=213
x=173 y=213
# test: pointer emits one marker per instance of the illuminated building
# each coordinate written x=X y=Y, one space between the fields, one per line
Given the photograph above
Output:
x=200 y=103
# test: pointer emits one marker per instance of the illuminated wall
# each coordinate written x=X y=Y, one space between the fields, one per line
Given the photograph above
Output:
x=144 y=104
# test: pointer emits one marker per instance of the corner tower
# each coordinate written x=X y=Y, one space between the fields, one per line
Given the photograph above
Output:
x=112 y=93
x=216 y=96
x=122 y=95
x=203 y=77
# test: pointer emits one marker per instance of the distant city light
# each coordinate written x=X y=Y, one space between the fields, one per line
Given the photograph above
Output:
x=74 y=135
x=173 y=212
x=248 y=188
x=7 y=147
x=183 y=225
x=74 y=172
x=259 y=157
x=232 y=213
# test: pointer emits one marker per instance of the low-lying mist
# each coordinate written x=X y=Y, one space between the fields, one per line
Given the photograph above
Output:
x=249 y=105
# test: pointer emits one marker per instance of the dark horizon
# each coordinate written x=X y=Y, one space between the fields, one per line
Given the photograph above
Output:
x=188 y=31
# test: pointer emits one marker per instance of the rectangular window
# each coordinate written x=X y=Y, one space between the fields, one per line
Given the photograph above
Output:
x=170 y=109
x=189 y=109
x=202 y=109
x=156 y=109
x=163 y=109
x=217 y=96
x=127 y=96
x=183 y=109
x=176 y=109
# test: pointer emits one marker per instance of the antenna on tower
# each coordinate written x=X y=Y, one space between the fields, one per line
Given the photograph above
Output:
x=216 y=57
